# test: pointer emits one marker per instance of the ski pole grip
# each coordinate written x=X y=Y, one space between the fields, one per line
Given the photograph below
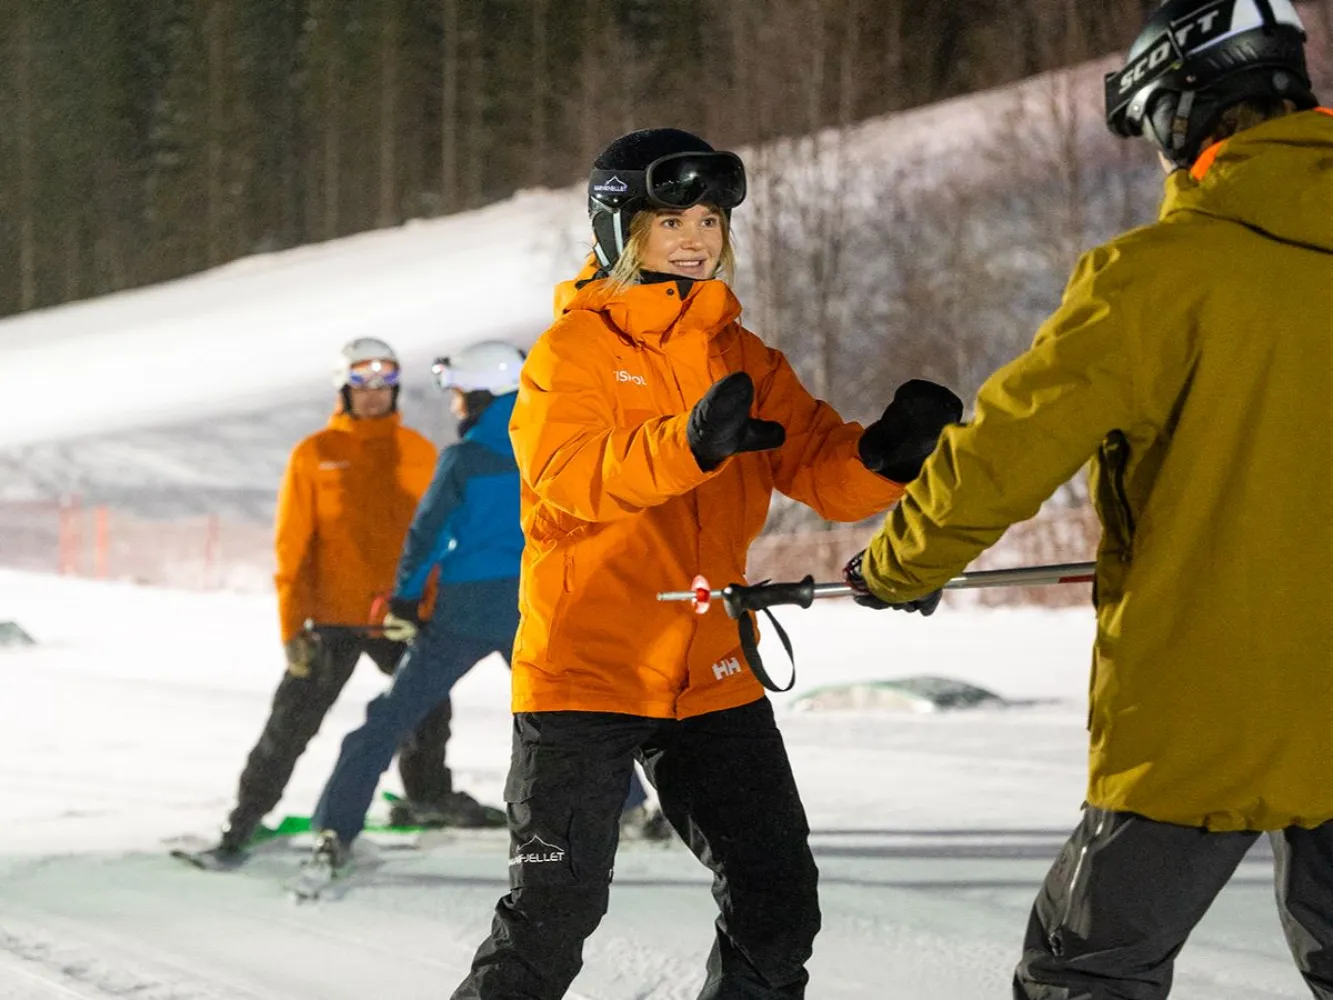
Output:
x=737 y=599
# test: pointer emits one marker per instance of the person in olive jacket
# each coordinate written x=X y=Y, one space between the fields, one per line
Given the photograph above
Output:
x=1192 y=359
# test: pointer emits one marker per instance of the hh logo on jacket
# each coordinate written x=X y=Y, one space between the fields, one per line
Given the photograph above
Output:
x=725 y=668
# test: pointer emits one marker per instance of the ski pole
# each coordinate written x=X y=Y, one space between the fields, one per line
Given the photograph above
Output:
x=326 y=630
x=739 y=598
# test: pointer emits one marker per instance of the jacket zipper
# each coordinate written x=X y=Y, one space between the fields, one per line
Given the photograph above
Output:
x=694 y=509
x=1055 y=941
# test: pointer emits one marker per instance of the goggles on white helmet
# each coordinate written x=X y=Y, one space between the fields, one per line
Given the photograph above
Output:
x=366 y=363
x=379 y=373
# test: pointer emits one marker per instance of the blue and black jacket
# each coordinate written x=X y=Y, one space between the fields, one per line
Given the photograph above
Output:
x=467 y=524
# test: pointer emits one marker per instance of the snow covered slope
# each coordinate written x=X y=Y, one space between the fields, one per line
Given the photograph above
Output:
x=129 y=722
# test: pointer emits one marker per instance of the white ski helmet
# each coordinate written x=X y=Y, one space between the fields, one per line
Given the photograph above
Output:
x=366 y=363
x=490 y=365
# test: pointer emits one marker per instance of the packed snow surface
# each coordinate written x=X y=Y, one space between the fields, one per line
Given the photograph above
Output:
x=125 y=728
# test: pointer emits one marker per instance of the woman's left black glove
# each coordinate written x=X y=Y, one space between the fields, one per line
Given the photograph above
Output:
x=897 y=444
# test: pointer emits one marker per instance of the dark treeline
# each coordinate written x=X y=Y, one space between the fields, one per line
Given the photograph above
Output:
x=141 y=140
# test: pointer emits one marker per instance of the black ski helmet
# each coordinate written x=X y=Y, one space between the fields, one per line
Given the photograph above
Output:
x=621 y=183
x=1194 y=59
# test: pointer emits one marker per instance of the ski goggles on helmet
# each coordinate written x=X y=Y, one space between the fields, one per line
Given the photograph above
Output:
x=374 y=373
x=1129 y=90
x=676 y=181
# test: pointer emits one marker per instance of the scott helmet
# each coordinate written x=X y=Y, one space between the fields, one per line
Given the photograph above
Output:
x=1194 y=59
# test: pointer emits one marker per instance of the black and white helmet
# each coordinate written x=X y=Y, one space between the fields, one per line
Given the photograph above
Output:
x=665 y=168
x=1194 y=59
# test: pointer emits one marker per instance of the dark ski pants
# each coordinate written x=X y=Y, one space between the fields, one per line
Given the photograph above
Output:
x=299 y=707
x=1126 y=891
x=419 y=695
x=725 y=784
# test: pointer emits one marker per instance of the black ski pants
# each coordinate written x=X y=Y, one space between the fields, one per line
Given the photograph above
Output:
x=299 y=707
x=724 y=782
x=1126 y=891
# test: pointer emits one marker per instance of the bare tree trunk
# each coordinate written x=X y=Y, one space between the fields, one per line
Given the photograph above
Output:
x=73 y=260
x=816 y=40
x=472 y=42
x=333 y=111
x=388 y=213
x=585 y=106
x=449 y=109
x=216 y=185
x=27 y=223
x=895 y=62
x=849 y=75
x=541 y=85
x=588 y=84
x=744 y=99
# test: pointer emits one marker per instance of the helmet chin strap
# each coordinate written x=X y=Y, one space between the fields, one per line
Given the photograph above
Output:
x=1180 y=124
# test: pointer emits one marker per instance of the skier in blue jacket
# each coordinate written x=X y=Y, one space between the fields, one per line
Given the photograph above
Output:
x=467 y=524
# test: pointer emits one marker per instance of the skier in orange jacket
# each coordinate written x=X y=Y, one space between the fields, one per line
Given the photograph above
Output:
x=346 y=502
x=650 y=431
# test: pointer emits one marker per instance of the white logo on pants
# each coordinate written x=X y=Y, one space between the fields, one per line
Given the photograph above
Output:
x=537 y=852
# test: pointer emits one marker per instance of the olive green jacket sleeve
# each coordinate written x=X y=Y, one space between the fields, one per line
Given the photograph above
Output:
x=1037 y=420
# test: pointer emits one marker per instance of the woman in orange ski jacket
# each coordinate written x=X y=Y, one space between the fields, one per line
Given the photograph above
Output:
x=650 y=432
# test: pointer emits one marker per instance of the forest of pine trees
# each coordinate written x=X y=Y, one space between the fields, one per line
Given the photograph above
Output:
x=147 y=139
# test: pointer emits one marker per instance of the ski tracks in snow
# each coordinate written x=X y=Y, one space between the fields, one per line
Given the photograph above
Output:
x=149 y=928
x=45 y=963
x=907 y=913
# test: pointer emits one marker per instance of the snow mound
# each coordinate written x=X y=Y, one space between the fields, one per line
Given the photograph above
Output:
x=12 y=634
x=904 y=694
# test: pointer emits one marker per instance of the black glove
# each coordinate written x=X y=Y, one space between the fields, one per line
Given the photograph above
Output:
x=721 y=426
x=851 y=575
x=897 y=444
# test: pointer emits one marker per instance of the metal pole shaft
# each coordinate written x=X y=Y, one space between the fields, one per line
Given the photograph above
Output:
x=1023 y=576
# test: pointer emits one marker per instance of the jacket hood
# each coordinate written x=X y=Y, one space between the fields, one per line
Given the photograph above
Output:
x=492 y=426
x=1276 y=178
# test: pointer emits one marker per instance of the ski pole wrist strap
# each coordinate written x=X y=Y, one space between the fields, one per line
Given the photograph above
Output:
x=750 y=649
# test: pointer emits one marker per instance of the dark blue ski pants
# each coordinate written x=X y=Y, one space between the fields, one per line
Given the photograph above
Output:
x=426 y=674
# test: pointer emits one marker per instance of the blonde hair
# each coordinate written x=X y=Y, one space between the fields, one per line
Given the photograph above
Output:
x=629 y=266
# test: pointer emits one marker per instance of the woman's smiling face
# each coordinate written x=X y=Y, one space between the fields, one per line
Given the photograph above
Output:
x=687 y=243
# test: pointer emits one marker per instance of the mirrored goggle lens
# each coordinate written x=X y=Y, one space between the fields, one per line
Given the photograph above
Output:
x=686 y=179
x=375 y=374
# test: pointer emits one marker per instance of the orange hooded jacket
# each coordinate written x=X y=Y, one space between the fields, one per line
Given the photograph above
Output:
x=345 y=505
x=616 y=509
